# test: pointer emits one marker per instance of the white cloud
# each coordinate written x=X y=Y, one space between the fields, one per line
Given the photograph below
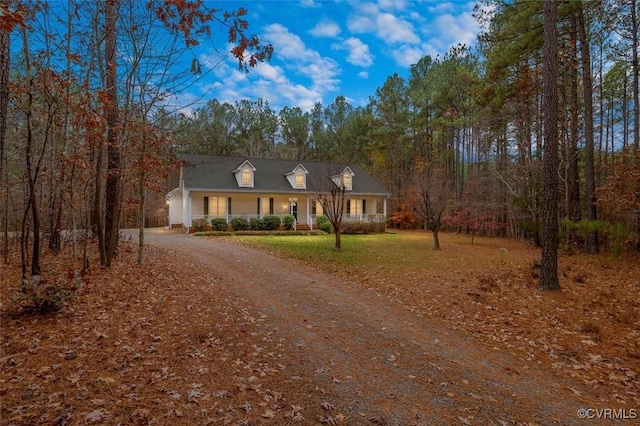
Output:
x=392 y=29
x=407 y=55
x=392 y=4
x=457 y=29
x=290 y=49
x=369 y=19
x=441 y=7
x=363 y=75
x=325 y=28
x=296 y=76
x=270 y=72
x=359 y=53
x=361 y=24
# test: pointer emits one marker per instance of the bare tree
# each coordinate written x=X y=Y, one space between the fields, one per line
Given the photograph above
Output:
x=434 y=190
x=5 y=30
x=332 y=196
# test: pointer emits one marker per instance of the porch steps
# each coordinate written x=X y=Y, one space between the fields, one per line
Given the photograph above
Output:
x=302 y=227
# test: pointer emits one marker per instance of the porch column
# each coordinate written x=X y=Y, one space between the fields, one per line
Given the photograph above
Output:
x=384 y=208
x=186 y=210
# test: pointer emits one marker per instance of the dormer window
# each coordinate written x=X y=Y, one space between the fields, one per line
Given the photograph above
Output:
x=344 y=179
x=298 y=177
x=245 y=175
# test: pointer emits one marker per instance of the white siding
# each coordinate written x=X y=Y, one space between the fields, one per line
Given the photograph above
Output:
x=175 y=209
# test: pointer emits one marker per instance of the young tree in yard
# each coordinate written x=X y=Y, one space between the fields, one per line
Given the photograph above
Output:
x=434 y=192
x=332 y=196
x=549 y=272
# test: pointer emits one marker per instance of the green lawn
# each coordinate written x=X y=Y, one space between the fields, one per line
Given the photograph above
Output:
x=357 y=250
x=393 y=252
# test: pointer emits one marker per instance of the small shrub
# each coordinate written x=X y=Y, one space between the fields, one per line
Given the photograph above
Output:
x=256 y=224
x=288 y=222
x=240 y=224
x=323 y=224
x=43 y=298
x=271 y=222
x=363 y=227
x=219 y=224
x=200 y=225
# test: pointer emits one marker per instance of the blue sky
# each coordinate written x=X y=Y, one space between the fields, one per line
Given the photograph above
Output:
x=324 y=49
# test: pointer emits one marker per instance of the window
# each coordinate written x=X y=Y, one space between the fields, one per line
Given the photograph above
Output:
x=300 y=179
x=346 y=180
x=206 y=206
x=266 y=206
x=217 y=206
x=354 y=207
x=246 y=177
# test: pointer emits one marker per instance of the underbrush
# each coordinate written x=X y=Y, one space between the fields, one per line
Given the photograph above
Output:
x=43 y=297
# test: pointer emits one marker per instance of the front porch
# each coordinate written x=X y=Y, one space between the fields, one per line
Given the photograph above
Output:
x=304 y=208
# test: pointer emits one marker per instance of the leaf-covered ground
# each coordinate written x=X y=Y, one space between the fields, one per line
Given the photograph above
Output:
x=233 y=336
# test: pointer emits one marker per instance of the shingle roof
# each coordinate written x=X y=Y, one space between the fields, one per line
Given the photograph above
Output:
x=214 y=173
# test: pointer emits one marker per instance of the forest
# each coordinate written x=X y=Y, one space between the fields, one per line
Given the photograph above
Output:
x=89 y=144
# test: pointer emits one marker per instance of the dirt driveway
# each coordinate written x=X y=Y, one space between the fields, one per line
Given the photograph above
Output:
x=386 y=365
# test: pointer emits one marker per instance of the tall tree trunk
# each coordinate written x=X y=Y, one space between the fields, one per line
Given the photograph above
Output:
x=112 y=201
x=141 y=195
x=549 y=272
x=572 y=177
x=589 y=163
x=97 y=221
x=4 y=100
x=635 y=70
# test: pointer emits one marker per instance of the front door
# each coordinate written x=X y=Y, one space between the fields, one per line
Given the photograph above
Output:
x=294 y=210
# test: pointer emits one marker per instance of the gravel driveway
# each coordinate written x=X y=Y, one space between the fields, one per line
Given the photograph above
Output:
x=387 y=360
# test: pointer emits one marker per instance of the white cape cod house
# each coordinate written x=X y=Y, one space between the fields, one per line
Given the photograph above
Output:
x=228 y=187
